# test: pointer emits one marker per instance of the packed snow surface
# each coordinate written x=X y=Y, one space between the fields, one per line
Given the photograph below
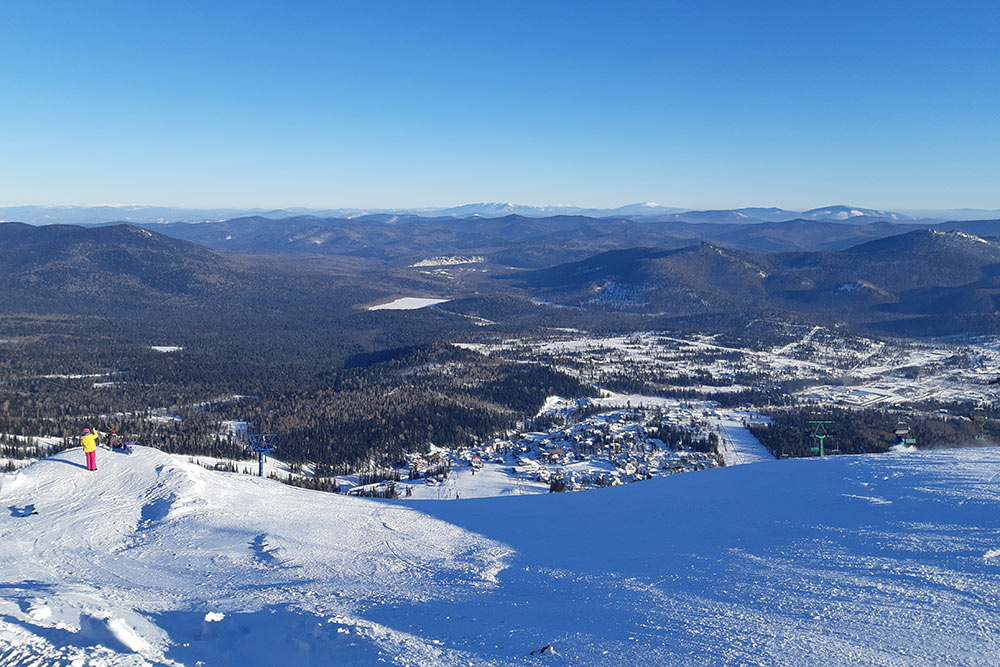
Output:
x=737 y=444
x=408 y=303
x=884 y=560
x=453 y=260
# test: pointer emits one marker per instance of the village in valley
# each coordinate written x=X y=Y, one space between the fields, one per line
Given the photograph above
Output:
x=606 y=448
x=667 y=403
x=585 y=443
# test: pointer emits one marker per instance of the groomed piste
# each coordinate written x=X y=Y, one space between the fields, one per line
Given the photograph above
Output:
x=869 y=560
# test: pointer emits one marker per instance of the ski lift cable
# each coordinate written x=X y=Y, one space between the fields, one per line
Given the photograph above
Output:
x=61 y=386
x=103 y=418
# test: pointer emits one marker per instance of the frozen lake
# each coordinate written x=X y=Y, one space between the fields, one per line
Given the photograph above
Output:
x=408 y=303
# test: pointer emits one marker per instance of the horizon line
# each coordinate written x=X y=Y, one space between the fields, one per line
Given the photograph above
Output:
x=395 y=209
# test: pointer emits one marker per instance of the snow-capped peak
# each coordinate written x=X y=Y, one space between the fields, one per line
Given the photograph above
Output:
x=842 y=212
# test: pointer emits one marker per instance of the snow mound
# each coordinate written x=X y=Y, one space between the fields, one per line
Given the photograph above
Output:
x=877 y=560
x=112 y=632
x=127 y=560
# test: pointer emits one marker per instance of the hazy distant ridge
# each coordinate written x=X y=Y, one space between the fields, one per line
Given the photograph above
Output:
x=87 y=215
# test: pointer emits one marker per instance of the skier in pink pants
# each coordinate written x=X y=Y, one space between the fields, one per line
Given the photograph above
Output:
x=89 y=442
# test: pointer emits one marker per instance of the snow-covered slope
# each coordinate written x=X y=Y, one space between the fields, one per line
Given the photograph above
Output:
x=889 y=560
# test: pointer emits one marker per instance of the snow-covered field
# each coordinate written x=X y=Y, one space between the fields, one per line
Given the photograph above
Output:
x=152 y=560
x=464 y=483
x=408 y=303
x=871 y=560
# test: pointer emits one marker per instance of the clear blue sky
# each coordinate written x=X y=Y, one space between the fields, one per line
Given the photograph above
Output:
x=382 y=104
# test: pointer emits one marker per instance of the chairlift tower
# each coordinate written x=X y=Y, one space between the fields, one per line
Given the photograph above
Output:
x=820 y=433
x=978 y=418
x=263 y=445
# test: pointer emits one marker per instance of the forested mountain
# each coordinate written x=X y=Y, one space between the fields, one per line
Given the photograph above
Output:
x=68 y=269
x=121 y=269
x=693 y=279
x=917 y=279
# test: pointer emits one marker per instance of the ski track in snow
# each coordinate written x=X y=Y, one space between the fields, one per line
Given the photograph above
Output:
x=739 y=445
x=868 y=560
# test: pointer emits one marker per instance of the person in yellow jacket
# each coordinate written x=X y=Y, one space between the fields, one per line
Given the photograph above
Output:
x=89 y=442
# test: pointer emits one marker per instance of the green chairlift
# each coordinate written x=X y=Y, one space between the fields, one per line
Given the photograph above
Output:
x=820 y=433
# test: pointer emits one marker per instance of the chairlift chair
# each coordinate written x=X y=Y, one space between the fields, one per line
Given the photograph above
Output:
x=903 y=430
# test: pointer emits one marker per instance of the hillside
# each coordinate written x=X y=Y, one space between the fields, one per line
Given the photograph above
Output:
x=888 y=560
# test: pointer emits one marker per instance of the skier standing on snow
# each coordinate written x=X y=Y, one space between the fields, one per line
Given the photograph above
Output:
x=89 y=443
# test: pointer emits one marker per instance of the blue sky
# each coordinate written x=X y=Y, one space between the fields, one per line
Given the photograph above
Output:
x=382 y=104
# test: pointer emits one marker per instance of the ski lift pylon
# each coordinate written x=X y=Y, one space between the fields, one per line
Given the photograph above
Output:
x=261 y=444
x=978 y=417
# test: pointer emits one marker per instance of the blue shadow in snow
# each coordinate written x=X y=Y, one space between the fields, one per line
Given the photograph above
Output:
x=69 y=463
x=27 y=510
x=261 y=552
x=274 y=635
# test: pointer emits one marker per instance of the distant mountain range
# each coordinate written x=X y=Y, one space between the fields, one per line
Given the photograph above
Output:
x=89 y=215
x=839 y=213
